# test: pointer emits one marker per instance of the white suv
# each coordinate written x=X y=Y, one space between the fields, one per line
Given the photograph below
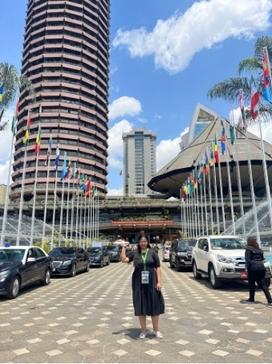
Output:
x=220 y=258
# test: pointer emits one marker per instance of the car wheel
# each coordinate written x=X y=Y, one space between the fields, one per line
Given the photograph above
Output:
x=87 y=269
x=46 y=278
x=101 y=264
x=73 y=271
x=215 y=282
x=195 y=272
x=14 y=288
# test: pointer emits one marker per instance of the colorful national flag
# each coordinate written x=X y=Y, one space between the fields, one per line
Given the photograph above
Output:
x=254 y=105
x=75 y=170
x=1 y=93
x=26 y=137
x=49 y=150
x=266 y=76
x=64 y=167
x=206 y=164
x=69 y=173
x=215 y=150
x=82 y=183
x=223 y=139
x=57 y=159
x=38 y=142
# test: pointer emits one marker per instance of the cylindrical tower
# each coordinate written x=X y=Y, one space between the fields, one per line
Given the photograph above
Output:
x=66 y=59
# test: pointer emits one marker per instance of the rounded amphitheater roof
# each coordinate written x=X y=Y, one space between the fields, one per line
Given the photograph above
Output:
x=247 y=146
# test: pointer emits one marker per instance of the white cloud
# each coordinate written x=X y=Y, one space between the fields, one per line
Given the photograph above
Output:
x=116 y=143
x=124 y=105
x=5 y=145
x=167 y=150
x=115 y=192
x=174 y=42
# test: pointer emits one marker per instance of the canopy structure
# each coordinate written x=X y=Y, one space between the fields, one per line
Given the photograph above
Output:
x=247 y=146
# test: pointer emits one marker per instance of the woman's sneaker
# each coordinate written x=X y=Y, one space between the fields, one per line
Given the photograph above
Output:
x=142 y=335
x=158 y=334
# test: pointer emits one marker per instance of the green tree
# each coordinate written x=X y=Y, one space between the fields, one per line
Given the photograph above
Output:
x=250 y=71
x=11 y=81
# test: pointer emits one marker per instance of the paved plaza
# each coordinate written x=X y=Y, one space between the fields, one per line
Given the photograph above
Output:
x=89 y=318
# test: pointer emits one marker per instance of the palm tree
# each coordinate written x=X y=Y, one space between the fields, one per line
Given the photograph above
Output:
x=11 y=81
x=229 y=89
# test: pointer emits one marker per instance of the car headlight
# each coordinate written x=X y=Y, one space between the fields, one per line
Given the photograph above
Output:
x=4 y=275
x=67 y=262
x=223 y=259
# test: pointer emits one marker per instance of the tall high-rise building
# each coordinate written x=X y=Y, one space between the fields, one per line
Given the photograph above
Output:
x=66 y=60
x=139 y=161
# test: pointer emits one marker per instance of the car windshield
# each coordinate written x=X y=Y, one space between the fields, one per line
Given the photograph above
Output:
x=11 y=255
x=227 y=244
x=114 y=248
x=185 y=245
x=62 y=252
x=94 y=250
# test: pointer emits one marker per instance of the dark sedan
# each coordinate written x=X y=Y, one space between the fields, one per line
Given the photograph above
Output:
x=68 y=261
x=181 y=253
x=114 y=253
x=98 y=256
x=21 y=266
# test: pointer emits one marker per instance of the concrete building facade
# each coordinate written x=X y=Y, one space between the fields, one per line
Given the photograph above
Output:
x=139 y=161
x=66 y=60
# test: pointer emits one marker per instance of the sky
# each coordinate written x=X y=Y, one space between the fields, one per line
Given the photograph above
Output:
x=165 y=56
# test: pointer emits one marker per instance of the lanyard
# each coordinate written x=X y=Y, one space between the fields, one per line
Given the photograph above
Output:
x=144 y=258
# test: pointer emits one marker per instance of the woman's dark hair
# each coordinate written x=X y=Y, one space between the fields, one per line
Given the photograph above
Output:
x=138 y=246
x=252 y=241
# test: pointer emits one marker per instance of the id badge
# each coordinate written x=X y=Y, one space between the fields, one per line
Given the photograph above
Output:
x=145 y=277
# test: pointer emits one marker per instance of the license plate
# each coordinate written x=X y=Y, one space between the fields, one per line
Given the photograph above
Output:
x=243 y=275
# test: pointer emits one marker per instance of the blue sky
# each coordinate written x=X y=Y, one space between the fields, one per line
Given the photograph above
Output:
x=203 y=43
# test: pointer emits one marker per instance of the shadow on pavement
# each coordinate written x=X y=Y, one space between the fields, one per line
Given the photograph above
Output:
x=133 y=333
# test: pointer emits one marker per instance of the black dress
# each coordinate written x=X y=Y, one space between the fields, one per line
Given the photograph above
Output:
x=147 y=300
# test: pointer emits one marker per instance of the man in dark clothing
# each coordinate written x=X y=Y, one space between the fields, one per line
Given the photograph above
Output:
x=256 y=270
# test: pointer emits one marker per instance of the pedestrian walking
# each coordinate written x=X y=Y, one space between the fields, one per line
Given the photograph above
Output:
x=256 y=270
x=146 y=285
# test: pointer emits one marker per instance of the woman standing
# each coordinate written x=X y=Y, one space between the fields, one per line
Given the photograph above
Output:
x=146 y=285
x=256 y=270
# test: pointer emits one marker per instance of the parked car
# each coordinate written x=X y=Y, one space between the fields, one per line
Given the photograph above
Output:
x=166 y=254
x=114 y=253
x=21 y=266
x=221 y=258
x=181 y=254
x=98 y=256
x=68 y=261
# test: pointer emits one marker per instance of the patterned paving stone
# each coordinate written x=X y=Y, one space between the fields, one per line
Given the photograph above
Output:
x=221 y=353
x=153 y=353
x=187 y=353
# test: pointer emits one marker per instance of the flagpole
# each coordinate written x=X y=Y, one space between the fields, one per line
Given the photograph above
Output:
x=210 y=198
x=61 y=209
x=72 y=210
x=54 y=208
x=34 y=200
x=98 y=215
x=67 y=209
x=80 y=222
x=202 y=208
x=205 y=203
x=221 y=192
x=46 y=199
x=7 y=192
x=89 y=216
x=85 y=212
x=230 y=193
x=21 y=199
x=267 y=186
x=216 y=199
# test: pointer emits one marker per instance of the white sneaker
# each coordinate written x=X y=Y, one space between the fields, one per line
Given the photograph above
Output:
x=158 y=334
x=142 y=335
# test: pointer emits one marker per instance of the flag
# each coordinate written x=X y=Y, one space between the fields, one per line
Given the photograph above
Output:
x=69 y=173
x=87 y=187
x=232 y=134
x=26 y=137
x=28 y=121
x=1 y=93
x=254 y=105
x=206 y=164
x=223 y=139
x=215 y=150
x=13 y=125
x=212 y=159
x=75 y=170
x=242 y=108
x=57 y=158
x=82 y=183
x=49 y=150
x=17 y=108
x=38 y=142
x=266 y=77
x=64 y=168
